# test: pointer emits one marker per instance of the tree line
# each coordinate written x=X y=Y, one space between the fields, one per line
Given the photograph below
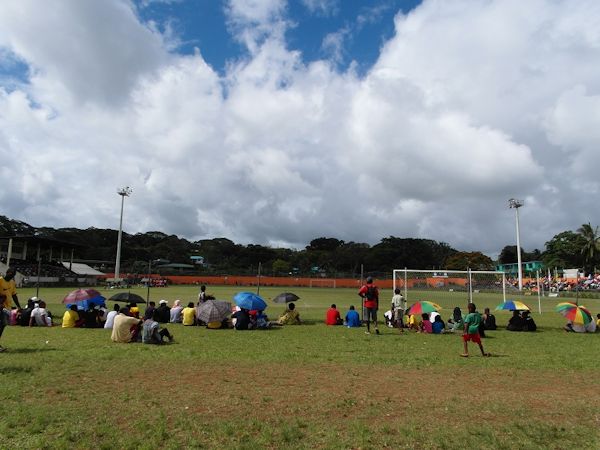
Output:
x=322 y=256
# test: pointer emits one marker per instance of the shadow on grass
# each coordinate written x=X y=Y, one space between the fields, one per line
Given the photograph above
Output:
x=26 y=350
x=15 y=370
x=307 y=322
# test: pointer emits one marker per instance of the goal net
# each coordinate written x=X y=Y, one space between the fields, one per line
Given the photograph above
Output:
x=322 y=282
x=452 y=284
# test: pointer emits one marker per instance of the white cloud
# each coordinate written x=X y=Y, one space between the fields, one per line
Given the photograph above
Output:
x=333 y=44
x=254 y=21
x=322 y=7
x=81 y=50
x=470 y=103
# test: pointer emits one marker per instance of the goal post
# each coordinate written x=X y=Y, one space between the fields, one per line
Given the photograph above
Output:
x=322 y=283
x=468 y=282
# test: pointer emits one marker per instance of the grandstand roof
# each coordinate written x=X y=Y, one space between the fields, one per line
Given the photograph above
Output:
x=81 y=269
x=42 y=240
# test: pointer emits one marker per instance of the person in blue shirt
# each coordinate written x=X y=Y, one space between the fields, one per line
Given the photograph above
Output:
x=352 y=318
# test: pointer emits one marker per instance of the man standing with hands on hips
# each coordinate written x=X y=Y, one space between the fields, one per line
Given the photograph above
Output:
x=370 y=295
x=8 y=294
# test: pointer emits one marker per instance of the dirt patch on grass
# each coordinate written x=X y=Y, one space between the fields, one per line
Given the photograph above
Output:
x=338 y=394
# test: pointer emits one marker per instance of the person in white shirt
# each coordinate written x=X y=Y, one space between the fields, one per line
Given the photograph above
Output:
x=39 y=315
x=176 y=312
x=110 y=317
x=398 y=308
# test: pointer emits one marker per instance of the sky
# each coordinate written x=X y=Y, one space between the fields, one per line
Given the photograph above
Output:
x=276 y=122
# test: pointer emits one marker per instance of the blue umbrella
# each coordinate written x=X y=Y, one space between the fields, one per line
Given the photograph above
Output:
x=85 y=304
x=250 y=300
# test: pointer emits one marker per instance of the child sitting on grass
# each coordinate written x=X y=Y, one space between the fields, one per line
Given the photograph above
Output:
x=425 y=324
x=471 y=330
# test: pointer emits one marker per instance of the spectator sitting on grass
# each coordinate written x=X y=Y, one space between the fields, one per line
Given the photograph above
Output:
x=581 y=328
x=425 y=325
x=39 y=316
x=189 y=315
x=352 y=318
x=388 y=316
x=134 y=310
x=438 y=325
x=91 y=318
x=515 y=323
x=26 y=313
x=71 y=318
x=175 y=313
x=290 y=316
x=164 y=312
x=332 y=317
x=457 y=320
x=110 y=317
x=241 y=319
x=149 y=313
x=262 y=321
x=489 y=320
x=152 y=333
x=125 y=328
x=528 y=322
x=15 y=316
x=412 y=322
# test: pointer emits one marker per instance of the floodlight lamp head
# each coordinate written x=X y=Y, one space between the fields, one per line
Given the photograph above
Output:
x=514 y=203
x=125 y=191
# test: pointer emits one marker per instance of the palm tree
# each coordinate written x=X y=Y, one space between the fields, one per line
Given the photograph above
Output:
x=591 y=246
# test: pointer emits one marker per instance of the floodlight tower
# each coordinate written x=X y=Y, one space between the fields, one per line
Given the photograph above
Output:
x=516 y=204
x=123 y=192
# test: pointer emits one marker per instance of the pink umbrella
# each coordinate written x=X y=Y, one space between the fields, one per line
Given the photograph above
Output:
x=80 y=295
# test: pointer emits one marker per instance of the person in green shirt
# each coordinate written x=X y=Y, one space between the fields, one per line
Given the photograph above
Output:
x=471 y=330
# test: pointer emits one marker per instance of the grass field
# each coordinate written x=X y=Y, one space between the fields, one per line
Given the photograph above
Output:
x=308 y=386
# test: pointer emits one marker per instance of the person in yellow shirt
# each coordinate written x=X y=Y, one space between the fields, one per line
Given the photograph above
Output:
x=8 y=294
x=598 y=322
x=189 y=314
x=71 y=318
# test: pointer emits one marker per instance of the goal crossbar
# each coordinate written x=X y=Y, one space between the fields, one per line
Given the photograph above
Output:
x=470 y=281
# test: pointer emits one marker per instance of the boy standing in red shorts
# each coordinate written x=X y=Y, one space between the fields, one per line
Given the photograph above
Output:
x=471 y=330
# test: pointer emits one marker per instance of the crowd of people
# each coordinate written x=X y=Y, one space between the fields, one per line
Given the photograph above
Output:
x=128 y=325
x=558 y=284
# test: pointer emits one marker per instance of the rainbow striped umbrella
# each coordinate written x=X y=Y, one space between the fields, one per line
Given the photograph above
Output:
x=577 y=314
x=513 y=305
x=423 y=306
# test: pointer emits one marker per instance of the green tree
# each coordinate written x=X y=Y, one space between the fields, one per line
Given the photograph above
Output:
x=281 y=267
x=591 y=245
x=564 y=250
x=469 y=260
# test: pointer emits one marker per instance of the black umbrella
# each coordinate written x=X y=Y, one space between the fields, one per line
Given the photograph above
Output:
x=286 y=297
x=127 y=297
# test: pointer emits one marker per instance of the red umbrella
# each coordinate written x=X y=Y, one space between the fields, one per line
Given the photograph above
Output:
x=80 y=295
